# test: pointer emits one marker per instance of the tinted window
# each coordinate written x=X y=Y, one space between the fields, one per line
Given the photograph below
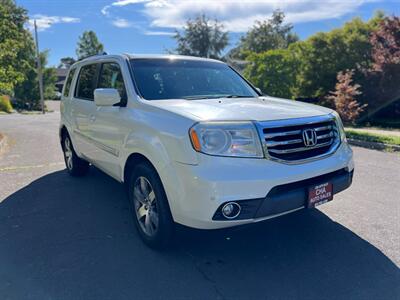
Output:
x=68 y=82
x=86 y=80
x=189 y=79
x=111 y=77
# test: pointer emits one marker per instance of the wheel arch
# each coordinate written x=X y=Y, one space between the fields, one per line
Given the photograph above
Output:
x=63 y=131
x=132 y=160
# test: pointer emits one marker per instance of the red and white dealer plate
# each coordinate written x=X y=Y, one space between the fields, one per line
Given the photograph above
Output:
x=320 y=194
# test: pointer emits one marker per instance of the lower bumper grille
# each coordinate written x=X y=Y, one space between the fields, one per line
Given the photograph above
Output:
x=300 y=139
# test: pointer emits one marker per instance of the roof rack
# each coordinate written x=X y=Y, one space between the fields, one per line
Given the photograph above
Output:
x=99 y=54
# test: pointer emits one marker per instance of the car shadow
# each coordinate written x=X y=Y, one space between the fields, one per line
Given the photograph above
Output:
x=73 y=238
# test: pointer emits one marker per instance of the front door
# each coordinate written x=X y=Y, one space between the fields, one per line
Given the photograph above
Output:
x=109 y=128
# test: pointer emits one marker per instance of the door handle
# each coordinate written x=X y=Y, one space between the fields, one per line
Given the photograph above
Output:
x=92 y=118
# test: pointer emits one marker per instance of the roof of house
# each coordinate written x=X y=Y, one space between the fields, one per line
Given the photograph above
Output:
x=61 y=72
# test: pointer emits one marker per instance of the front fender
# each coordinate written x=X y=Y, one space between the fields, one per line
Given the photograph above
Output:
x=163 y=152
x=163 y=138
x=149 y=146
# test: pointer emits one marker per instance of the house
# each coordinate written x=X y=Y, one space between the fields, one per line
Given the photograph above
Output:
x=61 y=74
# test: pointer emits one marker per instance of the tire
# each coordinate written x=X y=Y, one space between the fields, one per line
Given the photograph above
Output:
x=75 y=166
x=149 y=207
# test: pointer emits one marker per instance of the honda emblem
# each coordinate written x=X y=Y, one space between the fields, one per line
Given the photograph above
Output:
x=309 y=137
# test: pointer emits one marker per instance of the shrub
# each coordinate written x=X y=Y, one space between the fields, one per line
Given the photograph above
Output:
x=5 y=104
x=344 y=95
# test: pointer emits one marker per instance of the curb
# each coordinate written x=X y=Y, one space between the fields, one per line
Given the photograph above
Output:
x=374 y=145
x=3 y=141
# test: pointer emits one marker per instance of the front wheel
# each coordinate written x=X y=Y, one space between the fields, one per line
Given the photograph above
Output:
x=150 y=207
x=75 y=165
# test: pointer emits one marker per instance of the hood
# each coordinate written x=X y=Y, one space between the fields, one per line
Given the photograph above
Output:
x=240 y=109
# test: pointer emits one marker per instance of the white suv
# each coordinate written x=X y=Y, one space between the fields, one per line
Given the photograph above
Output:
x=197 y=144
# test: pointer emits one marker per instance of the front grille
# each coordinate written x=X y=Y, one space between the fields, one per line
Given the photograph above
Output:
x=286 y=141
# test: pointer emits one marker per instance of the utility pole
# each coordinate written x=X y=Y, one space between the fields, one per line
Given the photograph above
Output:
x=39 y=69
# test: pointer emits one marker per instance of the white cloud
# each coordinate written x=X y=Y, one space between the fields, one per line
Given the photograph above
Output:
x=126 y=2
x=105 y=9
x=150 y=32
x=121 y=23
x=239 y=15
x=44 y=22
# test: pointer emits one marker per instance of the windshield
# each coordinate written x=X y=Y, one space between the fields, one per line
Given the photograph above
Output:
x=159 y=79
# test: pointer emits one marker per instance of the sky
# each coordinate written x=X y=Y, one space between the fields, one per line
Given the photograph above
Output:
x=147 y=26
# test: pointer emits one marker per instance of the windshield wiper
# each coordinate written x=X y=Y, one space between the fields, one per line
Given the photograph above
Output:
x=199 y=97
x=194 y=97
x=237 y=96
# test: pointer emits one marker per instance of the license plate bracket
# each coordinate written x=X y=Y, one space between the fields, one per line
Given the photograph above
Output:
x=319 y=194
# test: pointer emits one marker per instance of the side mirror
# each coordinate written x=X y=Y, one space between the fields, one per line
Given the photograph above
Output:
x=259 y=91
x=106 y=97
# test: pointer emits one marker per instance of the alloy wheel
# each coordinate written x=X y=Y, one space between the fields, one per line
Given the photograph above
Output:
x=68 y=153
x=145 y=206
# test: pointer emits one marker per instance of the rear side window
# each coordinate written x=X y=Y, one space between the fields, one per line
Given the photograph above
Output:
x=68 y=82
x=111 y=77
x=86 y=82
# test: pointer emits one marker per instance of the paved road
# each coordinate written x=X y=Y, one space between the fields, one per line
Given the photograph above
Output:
x=68 y=238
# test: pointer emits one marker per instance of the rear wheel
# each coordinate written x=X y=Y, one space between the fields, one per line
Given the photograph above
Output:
x=150 y=207
x=75 y=165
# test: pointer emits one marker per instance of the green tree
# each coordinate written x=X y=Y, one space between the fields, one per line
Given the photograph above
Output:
x=266 y=35
x=324 y=55
x=66 y=62
x=16 y=45
x=273 y=71
x=88 y=45
x=308 y=69
x=27 y=92
x=202 y=37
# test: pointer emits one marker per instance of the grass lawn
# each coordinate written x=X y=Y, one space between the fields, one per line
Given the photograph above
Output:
x=372 y=137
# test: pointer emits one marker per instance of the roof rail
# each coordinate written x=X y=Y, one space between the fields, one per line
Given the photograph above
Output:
x=99 y=54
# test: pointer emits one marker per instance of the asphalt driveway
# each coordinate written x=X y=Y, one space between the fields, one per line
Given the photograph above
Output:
x=73 y=238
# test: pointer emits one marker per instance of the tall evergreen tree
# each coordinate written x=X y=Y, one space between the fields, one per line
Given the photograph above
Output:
x=202 y=37
x=88 y=45
x=265 y=35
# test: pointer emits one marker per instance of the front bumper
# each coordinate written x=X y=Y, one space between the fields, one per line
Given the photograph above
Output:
x=287 y=197
x=264 y=188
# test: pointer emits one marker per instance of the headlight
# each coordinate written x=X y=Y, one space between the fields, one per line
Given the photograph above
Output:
x=239 y=139
x=340 y=127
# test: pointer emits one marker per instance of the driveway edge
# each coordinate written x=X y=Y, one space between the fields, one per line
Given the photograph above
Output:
x=374 y=145
x=2 y=141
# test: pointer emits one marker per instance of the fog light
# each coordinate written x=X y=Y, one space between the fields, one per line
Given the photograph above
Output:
x=231 y=210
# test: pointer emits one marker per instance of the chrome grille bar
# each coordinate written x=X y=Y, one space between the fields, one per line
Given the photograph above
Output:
x=323 y=128
x=283 y=139
x=300 y=149
x=324 y=136
x=273 y=144
x=272 y=135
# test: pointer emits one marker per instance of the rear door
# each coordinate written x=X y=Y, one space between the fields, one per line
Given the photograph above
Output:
x=84 y=110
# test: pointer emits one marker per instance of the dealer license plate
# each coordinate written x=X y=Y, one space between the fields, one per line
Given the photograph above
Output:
x=320 y=194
